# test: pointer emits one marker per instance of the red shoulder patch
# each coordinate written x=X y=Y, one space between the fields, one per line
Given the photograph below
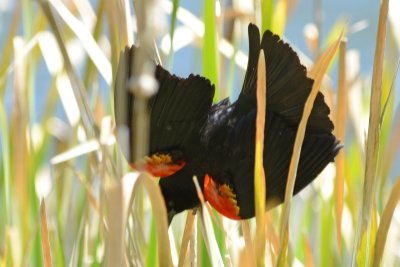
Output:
x=221 y=197
x=159 y=165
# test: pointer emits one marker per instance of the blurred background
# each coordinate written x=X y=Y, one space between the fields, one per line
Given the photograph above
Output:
x=56 y=129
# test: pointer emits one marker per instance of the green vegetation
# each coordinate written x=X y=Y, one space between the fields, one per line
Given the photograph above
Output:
x=68 y=198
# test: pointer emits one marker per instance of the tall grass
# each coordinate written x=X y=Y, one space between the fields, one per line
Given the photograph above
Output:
x=68 y=198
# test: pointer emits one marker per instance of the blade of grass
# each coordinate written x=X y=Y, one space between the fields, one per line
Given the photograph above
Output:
x=27 y=15
x=174 y=252
x=89 y=192
x=86 y=38
x=187 y=235
x=388 y=125
x=392 y=147
x=97 y=31
x=149 y=22
x=152 y=246
x=210 y=52
x=317 y=73
x=8 y=47
x=76 y=246
x=373 y=131
x=267 y=9
x=159 y=213
x=68 y=99
x=308 y=252
x=193 y=244
x=341 y=119
x=115 y=217
x=259 y=172
x=272 y=237
x=279 y=17
x=365 y=253
x=248 y=248
x=197 y=27
x=87 y=116
x=385 y=106
x=47 y=262
x=209 y=237
x=20 y=139
x=85 y=11
x=207 y=229
x=175 y=5
x=384 y=224
x=6 y=162
x=113 y=13
x=341 y=25
x=79 y=150
x=327 y=224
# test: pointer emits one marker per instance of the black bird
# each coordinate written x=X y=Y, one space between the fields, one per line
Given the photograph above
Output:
x=190 y=136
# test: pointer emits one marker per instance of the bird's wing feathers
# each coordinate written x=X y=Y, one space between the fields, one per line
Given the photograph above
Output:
x=231 y=140
x=177 y=111
x=317 y=151
x=287 y=83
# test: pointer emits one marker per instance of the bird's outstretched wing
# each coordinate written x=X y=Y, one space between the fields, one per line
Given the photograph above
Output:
x=234 y=168
x=287 y=86
x=230 y=139
x=177 y=112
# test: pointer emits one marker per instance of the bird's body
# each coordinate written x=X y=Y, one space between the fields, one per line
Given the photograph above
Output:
x=217 y=143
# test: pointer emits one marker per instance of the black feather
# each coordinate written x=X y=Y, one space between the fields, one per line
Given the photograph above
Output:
x=177 y=111
x=287 y=83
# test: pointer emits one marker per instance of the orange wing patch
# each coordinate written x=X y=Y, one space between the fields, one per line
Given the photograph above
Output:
x=159 y=165
x=221 y=197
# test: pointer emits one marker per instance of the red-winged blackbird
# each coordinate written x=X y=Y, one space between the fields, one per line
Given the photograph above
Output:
x=190 y=136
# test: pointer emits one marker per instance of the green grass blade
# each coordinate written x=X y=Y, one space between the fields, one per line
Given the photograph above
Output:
x=175 y=5
x=152 y=247
x=210 y=49
x=279 y=19
x=373 y=133
x=267 y=9
x=8 y=49
x=5 y=158
x=384 y=224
